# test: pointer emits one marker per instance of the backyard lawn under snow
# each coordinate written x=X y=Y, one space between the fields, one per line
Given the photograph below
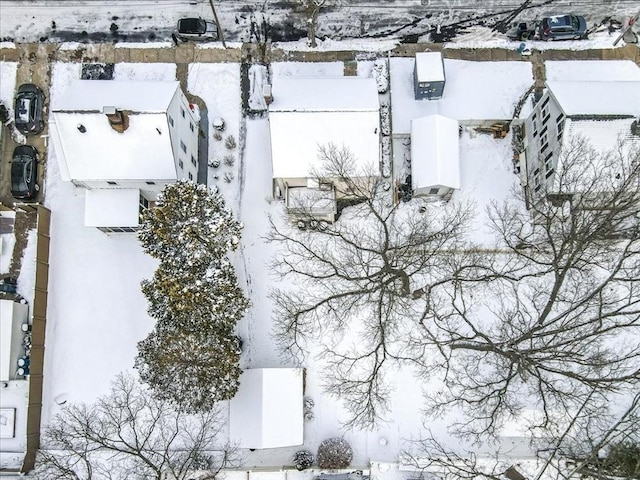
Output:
x=97 y=313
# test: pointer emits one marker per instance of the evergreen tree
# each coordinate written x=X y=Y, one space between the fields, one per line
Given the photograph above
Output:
x=191 y=357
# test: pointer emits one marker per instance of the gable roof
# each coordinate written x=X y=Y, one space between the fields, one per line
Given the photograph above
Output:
x=309 y=112
x=143 y=151
x=324 y=94
x=597 y=97
x=435 y=152
x=266 y=412
x=135 y=96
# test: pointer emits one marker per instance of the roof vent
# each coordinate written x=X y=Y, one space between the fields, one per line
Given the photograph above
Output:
x=81 y=128
x=635 y=128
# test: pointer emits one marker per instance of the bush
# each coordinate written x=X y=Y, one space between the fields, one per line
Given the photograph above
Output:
x=230 y=142
x=229 y=160
x=302 y=459
x=217 y=136
x=334 y=453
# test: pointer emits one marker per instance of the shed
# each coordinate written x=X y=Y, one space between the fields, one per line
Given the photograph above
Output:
x=435 y=155
x=12 y=316
x=267 y=411
x=428 y=75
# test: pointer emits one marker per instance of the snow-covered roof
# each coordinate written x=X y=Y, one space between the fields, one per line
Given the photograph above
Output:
x=429 y=67
x=267 y=409
x=112 y=207
x=136 y=96
x=597 y=97
x=603 y=135
x=475 y=91
x=296 y=136
x=435 y=152
x=142 y=152
x=324 y=94
x=591 y=70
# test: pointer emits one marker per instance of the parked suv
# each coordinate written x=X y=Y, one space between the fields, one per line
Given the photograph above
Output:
x=563 y=27
x=24 y=172
x=29 y=109
x=196 y=29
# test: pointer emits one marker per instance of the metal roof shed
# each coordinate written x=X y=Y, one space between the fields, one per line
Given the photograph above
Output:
x=267 y=411
x=435 y=155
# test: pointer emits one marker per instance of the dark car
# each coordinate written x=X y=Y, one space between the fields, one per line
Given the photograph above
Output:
x=24 y=172
x=563 y=27
x=522 y=31
x=196 y=29
x=29 y=109
x=8 y=285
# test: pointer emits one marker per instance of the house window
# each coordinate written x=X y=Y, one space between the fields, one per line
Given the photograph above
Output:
x=170 y=120
x=150 y=183
x=112 y=183
x=544 y=130
x=118 y=229
x=183 y=146
x=193 y=161
x=190 y=176
x=192 y=127
x=434 y=191
x=549 y=173
x=182 y=112
x=545 y=103
x=547 y=116
x=180 y=164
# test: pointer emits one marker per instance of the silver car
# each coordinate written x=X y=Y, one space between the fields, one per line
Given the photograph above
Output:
x=196 y=29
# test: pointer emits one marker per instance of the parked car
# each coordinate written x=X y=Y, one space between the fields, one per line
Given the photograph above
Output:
x=563 y=27
x=522 y=31
x=196 y=29
x=8 y=285
x=29 y=109
x=24 y=172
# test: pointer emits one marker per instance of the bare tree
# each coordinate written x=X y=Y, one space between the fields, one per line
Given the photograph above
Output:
x=548 y=317
x=364 y=270
x=129 y=434
x=311 y=9
x=561 y=318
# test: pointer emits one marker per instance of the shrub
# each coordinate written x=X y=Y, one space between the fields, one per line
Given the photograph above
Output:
x=217 y=136
x=302 y=459
x=334 y=453
x=230 y=142
x=229 y=160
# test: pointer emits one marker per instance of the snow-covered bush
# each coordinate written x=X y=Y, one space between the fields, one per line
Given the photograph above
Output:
x=215 y=163
x=385 y=119
x=229 y=160
x=302 y=459
x=334 y=453
x=217 y=136
x=381 y=74
x=228 y=177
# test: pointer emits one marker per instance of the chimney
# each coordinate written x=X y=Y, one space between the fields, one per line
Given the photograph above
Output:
x=118 y=120
x=81 y=128
x=266 y=93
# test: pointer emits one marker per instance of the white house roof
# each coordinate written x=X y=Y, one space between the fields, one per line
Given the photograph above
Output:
x=325 y=94
x=435 y=152
x=429 y=67
x=142 y=152
x=267 y=409
x=597 y=98
x=296 y=136
x=137 y=96
x=112 y=207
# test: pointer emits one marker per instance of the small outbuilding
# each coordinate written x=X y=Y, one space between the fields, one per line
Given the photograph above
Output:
x=435 y=155
x=267 y=411
x=428 y=74
x=12 y=316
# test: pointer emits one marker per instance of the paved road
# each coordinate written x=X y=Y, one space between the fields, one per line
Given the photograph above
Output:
x=281 y=20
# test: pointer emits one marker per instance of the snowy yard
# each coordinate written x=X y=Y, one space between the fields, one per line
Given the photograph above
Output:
x=97 y=313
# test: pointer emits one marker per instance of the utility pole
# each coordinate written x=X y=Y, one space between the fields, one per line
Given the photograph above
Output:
x=215 y=16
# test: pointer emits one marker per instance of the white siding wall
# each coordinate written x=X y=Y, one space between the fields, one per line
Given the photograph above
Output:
x=543 y=135
x=184 y=136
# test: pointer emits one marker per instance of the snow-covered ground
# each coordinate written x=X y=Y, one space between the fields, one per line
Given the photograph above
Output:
x=97 y=313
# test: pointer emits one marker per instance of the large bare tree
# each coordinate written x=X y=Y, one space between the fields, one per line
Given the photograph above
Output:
x=366 y=270
x=129 y=434
x=548 y=317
